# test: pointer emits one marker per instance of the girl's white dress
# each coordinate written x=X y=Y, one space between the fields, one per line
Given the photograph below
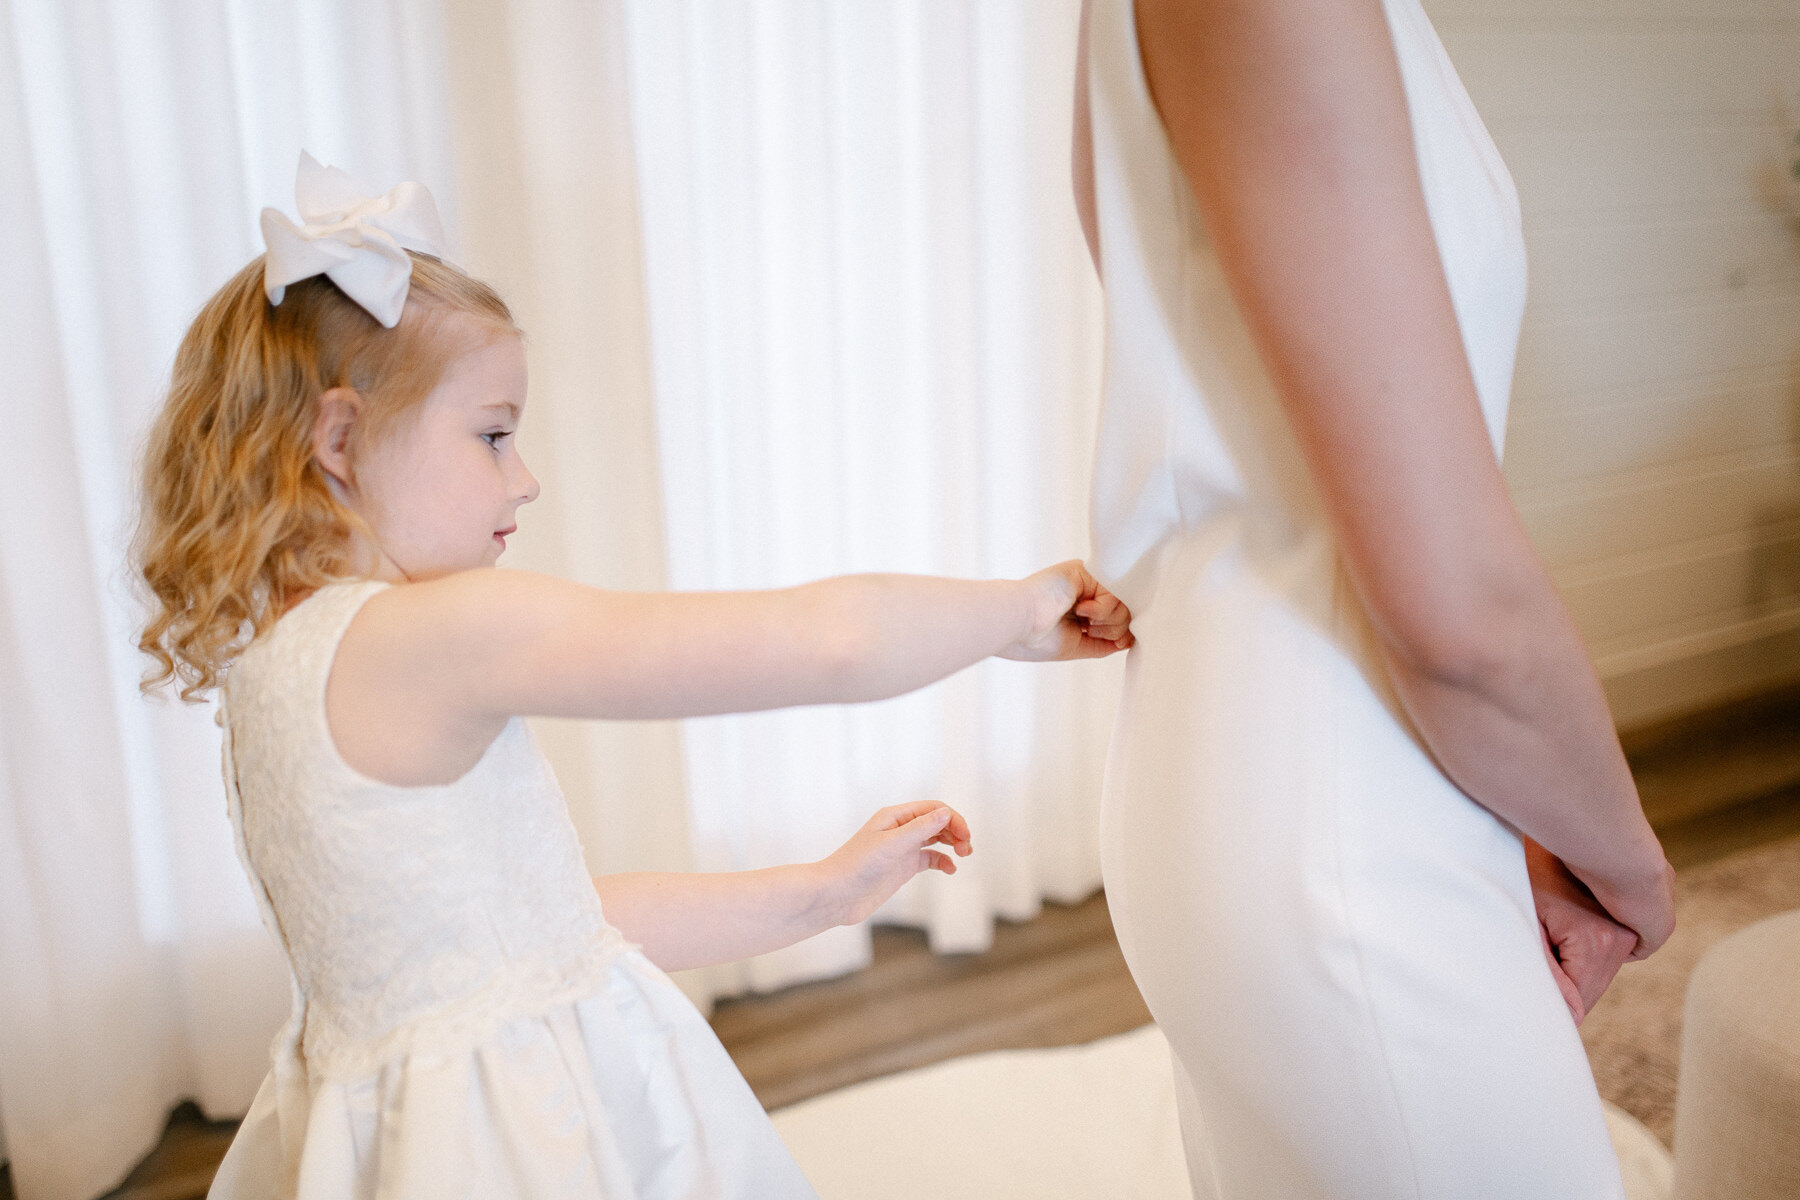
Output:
x=465 y=1021
x=1339 y=944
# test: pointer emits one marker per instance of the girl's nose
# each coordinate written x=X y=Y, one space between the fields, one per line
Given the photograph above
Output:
x=529 y=489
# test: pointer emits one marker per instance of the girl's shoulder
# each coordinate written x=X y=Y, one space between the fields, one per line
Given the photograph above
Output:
x=333 y=594
x=305 y=636
x=325 y=611
x=402 y=672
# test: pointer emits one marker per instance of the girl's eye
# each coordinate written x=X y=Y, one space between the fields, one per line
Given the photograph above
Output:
x=495 y=437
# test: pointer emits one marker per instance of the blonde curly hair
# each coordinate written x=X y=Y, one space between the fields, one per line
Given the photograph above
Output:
x=236 y=517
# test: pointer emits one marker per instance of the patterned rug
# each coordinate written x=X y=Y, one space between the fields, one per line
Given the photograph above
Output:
x=1633 y=1036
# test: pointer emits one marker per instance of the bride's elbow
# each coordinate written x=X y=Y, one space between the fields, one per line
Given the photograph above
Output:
x=1483 y=643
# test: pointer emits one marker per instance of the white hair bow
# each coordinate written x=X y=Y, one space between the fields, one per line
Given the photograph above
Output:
x=359 y=242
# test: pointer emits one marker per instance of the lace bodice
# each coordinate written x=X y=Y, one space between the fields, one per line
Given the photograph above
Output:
x=413 y=917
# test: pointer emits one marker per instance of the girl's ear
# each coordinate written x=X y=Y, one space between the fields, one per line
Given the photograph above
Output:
x=339 y=410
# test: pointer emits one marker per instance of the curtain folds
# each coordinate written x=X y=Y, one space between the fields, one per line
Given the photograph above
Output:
x=873 y=335
x=804 y=295
x=139 y=144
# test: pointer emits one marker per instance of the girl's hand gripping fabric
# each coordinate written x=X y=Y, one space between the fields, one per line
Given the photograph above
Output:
x=1072 y=616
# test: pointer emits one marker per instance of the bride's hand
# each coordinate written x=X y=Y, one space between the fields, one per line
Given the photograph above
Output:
x=1643 y=902
x=1584 y=946
x=1071 y=616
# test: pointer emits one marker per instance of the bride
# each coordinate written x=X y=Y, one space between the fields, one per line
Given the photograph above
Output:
x=1369 y=840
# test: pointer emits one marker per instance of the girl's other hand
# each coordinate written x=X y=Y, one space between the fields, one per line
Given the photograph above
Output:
x=1072 y=616
x=888 y=850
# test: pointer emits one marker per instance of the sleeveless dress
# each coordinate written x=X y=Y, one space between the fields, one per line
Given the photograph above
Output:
x=1340 y=945
x=465 y=1022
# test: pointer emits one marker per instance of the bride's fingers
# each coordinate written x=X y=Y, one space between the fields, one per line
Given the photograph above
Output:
x=1571 y=993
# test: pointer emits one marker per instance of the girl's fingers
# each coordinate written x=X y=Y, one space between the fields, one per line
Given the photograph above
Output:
x=925 y=823
x=1077 y=573
x=1106 y=620
x=950 y=835
x=942 y=824
x=1104 y=597
x=929 y=825
x=896 y=815
x=1094 y=647
x=933 y=860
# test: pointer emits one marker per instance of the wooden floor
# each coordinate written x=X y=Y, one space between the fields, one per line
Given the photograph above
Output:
x=1060 y=979
x=1048 y=982
x=1713 y=784
x=1054 y=981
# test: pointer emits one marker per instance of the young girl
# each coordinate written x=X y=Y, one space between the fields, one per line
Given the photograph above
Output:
x=326 y=489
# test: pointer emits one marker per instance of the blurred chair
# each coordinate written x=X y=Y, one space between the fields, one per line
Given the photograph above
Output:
x=1737 y=1112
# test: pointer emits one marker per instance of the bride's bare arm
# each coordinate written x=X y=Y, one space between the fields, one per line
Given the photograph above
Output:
x=1289 y=120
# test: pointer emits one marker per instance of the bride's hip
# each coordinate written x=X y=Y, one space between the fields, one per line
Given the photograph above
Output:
x=1262 y=783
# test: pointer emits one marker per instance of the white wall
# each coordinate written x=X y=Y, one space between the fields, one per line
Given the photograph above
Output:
x=1654 y=445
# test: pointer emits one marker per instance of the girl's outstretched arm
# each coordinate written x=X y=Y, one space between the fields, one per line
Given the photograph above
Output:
x=428 y=672
x=1289 y=121
x=687 y=920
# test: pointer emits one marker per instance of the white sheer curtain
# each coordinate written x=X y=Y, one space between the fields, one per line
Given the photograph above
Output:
x=873 y=333
x=804 y=296
x=138 y=144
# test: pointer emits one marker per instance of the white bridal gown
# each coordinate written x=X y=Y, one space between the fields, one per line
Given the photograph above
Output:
x=466 y=1023
x=1339 y=944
